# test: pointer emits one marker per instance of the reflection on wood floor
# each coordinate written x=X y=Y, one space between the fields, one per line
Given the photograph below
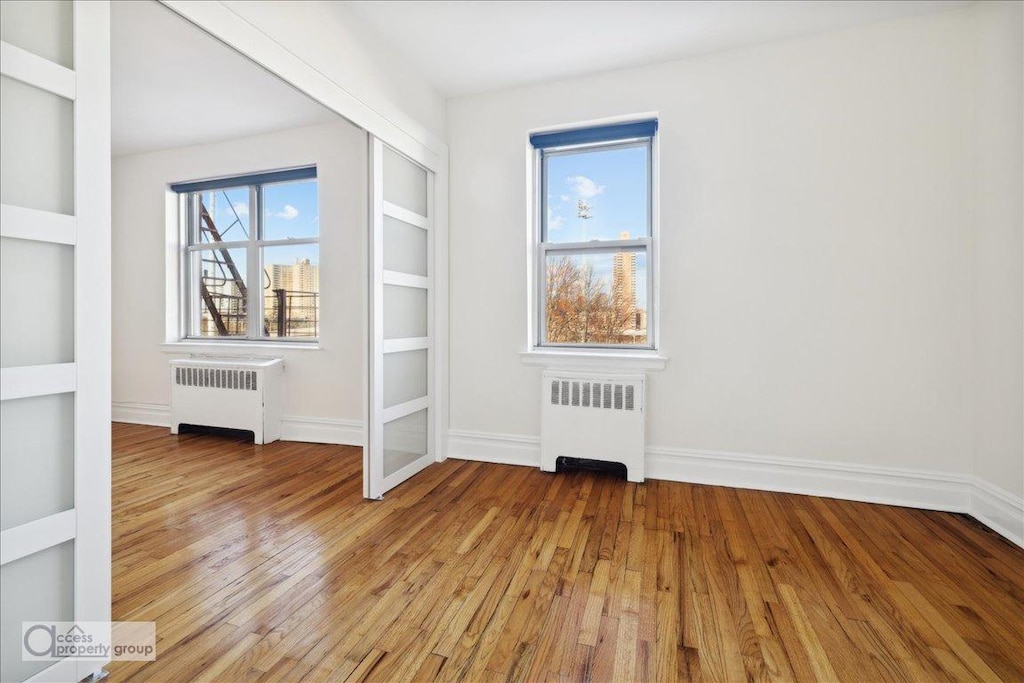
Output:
x=265 y=563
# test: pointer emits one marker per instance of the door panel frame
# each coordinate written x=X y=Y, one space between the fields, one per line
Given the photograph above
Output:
x=88 y=377
x=375 y=482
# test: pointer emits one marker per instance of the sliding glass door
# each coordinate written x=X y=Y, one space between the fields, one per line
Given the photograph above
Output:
x=54 y=326
x=401 y=435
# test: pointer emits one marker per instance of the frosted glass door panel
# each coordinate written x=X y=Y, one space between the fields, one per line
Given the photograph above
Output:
x=37 y=297
x=42 y=27
x=37 y=587
x=405 y=247
x=36 y=148
x=405 y=377
x=37 y=458
x=405 y=183
x=405 y=312
x=405 y=441
x=400 y=438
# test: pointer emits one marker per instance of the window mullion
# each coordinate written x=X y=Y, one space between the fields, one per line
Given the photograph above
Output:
x=599 y=246
x=254 y=287
x=189 y=289
x=542 y=293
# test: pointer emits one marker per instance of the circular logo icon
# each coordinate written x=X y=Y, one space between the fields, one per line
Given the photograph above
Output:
x=39 y=640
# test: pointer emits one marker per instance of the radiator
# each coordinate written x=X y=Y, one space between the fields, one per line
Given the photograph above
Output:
x=594 y=416
x=234 y=393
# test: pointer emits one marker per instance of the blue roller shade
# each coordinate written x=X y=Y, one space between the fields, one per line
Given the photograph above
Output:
x=583 y=136
x=251 y=179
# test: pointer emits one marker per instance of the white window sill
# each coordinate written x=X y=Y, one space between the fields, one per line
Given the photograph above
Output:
x=196 y=346
x=572 y=359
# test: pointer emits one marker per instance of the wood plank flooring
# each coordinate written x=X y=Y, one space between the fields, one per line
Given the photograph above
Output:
x=264 y=563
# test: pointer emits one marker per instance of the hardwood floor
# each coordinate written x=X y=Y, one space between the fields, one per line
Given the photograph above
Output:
x=265 y=563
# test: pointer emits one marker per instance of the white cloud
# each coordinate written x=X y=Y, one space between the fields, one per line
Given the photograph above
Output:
x=288 y=212
x=584 y=187
x=555 y=222
x=565 y=198
x=241 y=208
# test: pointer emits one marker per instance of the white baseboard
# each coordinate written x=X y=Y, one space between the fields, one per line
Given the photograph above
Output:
x=153 y=414
x=505 y=449
x=869 y=484
x=321 y=430
x=293 y=427
x=998 y=510
x=929 y=490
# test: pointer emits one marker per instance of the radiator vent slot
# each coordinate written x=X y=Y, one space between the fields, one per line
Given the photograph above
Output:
x=585 y=394
x=215 y=378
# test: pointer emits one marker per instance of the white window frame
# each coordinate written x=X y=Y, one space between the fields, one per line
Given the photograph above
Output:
x=540 y=351
x=190 y=308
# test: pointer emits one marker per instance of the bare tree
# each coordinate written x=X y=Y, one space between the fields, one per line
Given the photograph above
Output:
x=562 y=277
x=579 y=305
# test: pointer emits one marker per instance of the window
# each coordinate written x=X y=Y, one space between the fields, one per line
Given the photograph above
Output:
x=251 y=257
x=594 y=250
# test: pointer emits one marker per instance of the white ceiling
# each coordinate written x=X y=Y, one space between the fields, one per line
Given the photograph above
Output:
x=479 y=46
x=174 y=85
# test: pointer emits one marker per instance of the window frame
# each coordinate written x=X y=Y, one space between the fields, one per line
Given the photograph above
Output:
x=541 y=248
x=189 y=304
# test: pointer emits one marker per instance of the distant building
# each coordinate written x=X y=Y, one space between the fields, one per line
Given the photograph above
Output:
x=624 y=287
x=300 y=284
x=631 y=319
x=301 y=276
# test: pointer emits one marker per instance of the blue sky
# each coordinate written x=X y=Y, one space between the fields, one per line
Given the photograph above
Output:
x=290 y=211
x=614 y=184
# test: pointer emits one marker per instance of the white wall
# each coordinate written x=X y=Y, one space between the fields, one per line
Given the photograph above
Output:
x=815 y=224
x=323 y=387
x=998 y=293
x=328 y=36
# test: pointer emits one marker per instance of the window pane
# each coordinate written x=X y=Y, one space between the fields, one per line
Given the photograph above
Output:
x=290 y=210
x=405 y=312
x=37 y=146
x=405 y=441
x=37 y=297
x=405 y=183
x=37 y=587
x=291 y=291
x=405 y=377
x=600 y=194
x=597 y=298
x=223 y=216
x=37 y=458
x=219 y=276
x=43 y=27
x=405 y=247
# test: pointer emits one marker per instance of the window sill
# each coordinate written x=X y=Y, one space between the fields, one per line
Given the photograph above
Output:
x=196 y=346
x=594 y=360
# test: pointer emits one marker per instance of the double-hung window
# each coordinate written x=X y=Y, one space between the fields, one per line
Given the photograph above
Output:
x=251 y=257
x=595 y=270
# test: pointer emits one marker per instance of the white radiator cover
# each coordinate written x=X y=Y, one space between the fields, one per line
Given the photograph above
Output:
x=233 y=393
x=593 y=415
